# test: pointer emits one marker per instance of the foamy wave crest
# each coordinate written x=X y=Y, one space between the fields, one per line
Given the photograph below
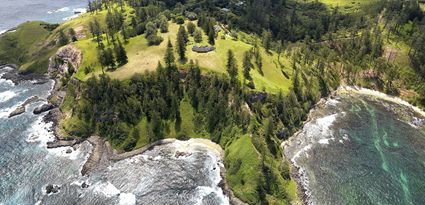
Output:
x=7 y=95
x=81 y=10
x=324 y=123
x=107 y=189
x=4 y=113
x=77 y=12
x=4 y=81
x=40 y=132
x=127 y=199
x=61 y=152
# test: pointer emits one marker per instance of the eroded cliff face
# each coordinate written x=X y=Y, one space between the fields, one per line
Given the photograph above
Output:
x=67 y=60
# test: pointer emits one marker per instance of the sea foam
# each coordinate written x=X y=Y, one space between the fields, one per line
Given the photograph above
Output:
x=39 y=131
x=107 y=189
x=7 y=95
x=127 y=199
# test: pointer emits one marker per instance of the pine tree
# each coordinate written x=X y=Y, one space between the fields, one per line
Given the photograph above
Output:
x=182 y=29
x=232 y=68
x=181 y=43
x=211 y=37
x=169 y=55
x=95 y=30
x=120 y=53
x=191 y=28
x=124 y=34
x=110 y=60
x=73 y=35
x=297 y=85
x=247 y=65
x=197 y=35
x=63 y=39
x=267 y=39
x=258 y=59
x=163 y=24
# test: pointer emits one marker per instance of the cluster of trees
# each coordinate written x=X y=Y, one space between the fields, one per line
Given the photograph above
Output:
x=207 y=24
x=113 y=53
x=65 y=39
x=151 y=34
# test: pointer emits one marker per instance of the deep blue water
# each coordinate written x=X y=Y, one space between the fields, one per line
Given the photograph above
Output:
x=14 y=12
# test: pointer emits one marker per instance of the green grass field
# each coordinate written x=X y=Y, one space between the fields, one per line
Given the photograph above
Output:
x=347 y=6
x=142 y=58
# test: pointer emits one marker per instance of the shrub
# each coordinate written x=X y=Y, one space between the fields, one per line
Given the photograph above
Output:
x=180 y=20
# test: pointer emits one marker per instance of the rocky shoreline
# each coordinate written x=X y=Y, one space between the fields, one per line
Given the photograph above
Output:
x=402 y=109
x=296 y=171
x=22 y=108
x=102 y=154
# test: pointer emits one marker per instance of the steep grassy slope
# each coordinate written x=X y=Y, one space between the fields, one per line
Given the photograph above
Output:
x=27 y=47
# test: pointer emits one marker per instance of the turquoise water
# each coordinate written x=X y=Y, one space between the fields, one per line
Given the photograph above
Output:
x=369 y=155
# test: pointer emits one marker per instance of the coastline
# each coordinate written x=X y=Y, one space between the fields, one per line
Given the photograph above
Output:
x=102 y=153
x=297 y=172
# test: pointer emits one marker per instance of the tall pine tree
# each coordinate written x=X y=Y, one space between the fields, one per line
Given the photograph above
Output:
x=169 y=55
x=120 y=53
x=247 y=65
x=232 y=67
x=181 y=43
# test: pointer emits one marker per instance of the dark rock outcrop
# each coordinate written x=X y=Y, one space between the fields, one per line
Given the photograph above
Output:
x=16 y=77
x=62 y=143
x=52 y=189
x=43 y=108
x=84 y=185
x=21 y=109
x=256 y=97
x=66 y=60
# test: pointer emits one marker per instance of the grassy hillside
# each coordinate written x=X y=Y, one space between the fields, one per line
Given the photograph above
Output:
x=143 y=57
x=347 y=6
x=27 y=47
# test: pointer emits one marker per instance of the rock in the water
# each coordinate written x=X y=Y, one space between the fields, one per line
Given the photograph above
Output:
x=43 y=108
x=69 y=150
x=21 y=108
x=18 y=111
x=84 y=185
x=50 y=188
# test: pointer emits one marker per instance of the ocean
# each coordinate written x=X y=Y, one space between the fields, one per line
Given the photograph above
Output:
x=182 y=172
x=15 y=12
x=361 y=149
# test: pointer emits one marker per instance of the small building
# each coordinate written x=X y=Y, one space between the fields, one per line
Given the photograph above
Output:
x=203 y=49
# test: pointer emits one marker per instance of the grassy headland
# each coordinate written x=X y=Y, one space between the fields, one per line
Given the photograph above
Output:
x=151 y=94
